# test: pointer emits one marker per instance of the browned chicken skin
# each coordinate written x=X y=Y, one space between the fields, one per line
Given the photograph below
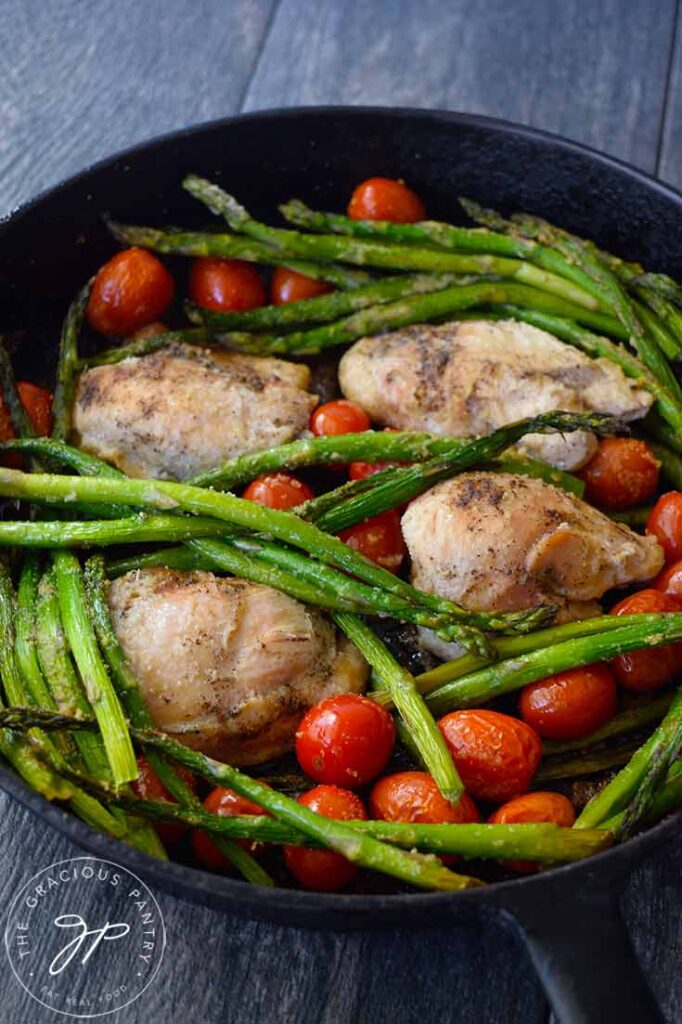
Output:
x=503 y=542
x=181 y=411
x=228 y=666
x=466 y=379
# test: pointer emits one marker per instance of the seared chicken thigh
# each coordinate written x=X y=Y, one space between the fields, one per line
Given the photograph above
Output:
x=503 y=542
x=228 y=666
x=181 y=411
x=466 y=379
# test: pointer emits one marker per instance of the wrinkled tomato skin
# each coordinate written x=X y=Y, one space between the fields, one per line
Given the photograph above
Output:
x=225 y=803
x=290 y=286
x=535 y=807
x=665 y=524
x=669 y=580
x=623 y=472
x=570 y=704
x=128 y=292
x=225 y=285
x=414 y=797
x=324 y=870
x=496 y=755
x=345 y=740
x=339 y=417
x=649 y=668
x=148 y=786
x=278 y=490
x=380 y=539
x=385 y=199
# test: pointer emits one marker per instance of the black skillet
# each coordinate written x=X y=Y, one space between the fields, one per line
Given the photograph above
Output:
x=569 y=917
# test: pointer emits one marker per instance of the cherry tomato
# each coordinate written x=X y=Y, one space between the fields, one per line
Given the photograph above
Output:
x=570 y=704
x=225 y=284
x=361 y=470
x=345 y=740
x=148 y=786
x=150 y=330
x=380 y=539
x=670 y=580
x=496 y=755
x=278 y=490
x=415 y=797
x=38 y=404
x=621 y=473
x=324 y=870
x=339 y=417
x=652 y=667
x=290 y=286
x=665 y=524
x=385 y=199
x=227 y=804
x=131 y=289
x=533 y=807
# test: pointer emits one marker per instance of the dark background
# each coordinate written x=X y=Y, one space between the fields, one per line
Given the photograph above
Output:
x=80 y=79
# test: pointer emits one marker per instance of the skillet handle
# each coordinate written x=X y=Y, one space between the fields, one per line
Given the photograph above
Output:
x=582 y=952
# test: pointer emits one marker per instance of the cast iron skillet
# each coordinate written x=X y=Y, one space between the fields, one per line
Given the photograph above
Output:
x=569 y=917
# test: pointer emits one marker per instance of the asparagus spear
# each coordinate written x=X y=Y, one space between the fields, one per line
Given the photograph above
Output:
x=21 y=421
x=414 y=713
x=145 y=346
x=128 y=690
x=512 y=674
x=325 y=307
x=443 y=304
x=446 y=236
x=587 y=762
x=102 y=696
x=352 y=250
x=242 y=514
x=68 y=364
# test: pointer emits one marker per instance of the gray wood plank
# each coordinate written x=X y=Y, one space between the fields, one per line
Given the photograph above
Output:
x=670 y=162
x=595 y=72
x=84 y=78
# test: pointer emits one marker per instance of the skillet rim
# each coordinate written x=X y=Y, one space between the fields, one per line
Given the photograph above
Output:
x=198 y=885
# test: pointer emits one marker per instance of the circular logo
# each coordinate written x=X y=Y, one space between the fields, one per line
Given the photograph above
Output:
x=85 y=937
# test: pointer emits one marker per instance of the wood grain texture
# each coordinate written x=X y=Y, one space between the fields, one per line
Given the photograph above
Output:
x=84 y=78
x=670 y=159
x=595 y=72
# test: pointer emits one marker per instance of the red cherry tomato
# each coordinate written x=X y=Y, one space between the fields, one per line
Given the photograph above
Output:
x=38 y=404
x=496 y=755
x=670 y=580
x=380 y=539
x=131 y=289
x=227 y=804
x=345 y=740
x=621 y=473
x=324 y=870
x=652 y=667
x=225 y=284
x=665 y=524
x=278 y=490
x=361 y=470
x=290 y=286
x=148 y=786
x=339 y=417
x=533 y=807
x=415 y=797
x=570 y=704
x=385 y=199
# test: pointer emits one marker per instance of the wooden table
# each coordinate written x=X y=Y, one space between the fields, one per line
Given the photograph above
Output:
x=83 y=78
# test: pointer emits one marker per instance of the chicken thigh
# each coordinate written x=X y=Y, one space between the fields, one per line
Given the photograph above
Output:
x=227 y=666
x=466 y=379
x=184 y=410
x=503 y=542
